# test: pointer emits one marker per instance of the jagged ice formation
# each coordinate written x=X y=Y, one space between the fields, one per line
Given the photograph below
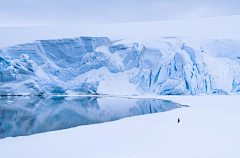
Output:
x=88 y=65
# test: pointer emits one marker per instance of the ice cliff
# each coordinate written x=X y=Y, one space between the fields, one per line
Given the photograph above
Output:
x=88 y=65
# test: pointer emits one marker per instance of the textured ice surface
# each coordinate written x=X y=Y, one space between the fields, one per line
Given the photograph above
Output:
x=88 y=65
x=28 y=115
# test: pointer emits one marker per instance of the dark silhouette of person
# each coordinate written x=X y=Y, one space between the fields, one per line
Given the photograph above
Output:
x=178 y=120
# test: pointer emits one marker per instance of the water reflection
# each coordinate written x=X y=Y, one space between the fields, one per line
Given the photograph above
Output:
x=28 y=115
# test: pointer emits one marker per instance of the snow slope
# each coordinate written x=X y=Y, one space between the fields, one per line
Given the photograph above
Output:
x=225 y=27
x=209 y=128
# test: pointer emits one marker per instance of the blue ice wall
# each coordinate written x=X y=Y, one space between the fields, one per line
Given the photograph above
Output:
x=167 y=68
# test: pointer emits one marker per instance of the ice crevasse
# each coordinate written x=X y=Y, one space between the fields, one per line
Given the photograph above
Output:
x=97 y=65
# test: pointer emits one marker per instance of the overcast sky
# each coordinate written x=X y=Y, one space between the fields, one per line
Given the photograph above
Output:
x=72 y=12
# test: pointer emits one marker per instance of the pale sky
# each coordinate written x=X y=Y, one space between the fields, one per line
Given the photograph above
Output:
x=74 y=12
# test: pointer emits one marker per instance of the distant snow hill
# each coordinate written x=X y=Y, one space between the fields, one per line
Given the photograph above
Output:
x=126 y=65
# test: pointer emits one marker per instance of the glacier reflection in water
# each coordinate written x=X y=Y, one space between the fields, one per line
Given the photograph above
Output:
x=21 y=116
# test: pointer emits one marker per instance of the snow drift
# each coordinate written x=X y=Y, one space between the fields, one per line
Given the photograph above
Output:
x=88 y=65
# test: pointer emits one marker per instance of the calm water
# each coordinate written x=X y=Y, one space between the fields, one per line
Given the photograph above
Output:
x=21 y=116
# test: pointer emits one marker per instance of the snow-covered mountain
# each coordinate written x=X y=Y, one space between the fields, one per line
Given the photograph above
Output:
x=90 y=65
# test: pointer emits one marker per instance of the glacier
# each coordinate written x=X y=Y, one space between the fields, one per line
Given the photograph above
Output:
x=98 y=65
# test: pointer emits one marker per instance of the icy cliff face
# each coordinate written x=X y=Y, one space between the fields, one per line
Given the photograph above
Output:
x=88 y=65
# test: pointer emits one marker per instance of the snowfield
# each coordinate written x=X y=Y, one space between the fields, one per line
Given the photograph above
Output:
x=225 y=27
x=208 y=128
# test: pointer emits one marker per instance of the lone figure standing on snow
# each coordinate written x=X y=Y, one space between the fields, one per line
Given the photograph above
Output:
x=178 y=120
